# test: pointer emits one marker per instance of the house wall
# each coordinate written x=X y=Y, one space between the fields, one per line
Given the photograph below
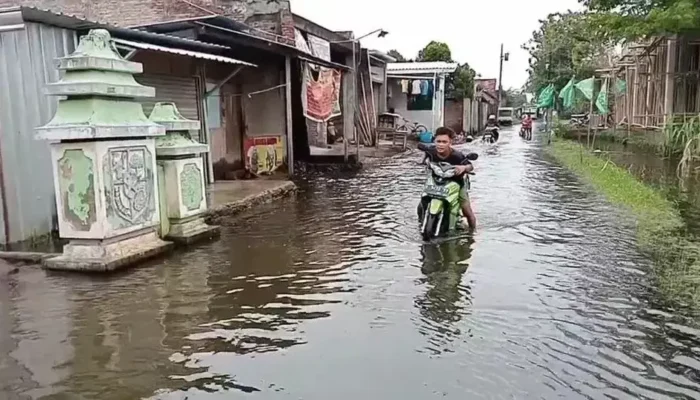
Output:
x=27 y=65
x=474 y=115
x=398 y=102
x=232 y=115
x=432 y=119
x=264 y=112
x=236 y=115
x=454 y=114
x=272 y=18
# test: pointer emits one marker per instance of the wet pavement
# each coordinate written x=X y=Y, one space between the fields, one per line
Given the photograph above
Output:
x=332 y=294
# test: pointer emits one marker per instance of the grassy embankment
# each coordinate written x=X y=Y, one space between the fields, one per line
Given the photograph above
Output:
x=675 y=255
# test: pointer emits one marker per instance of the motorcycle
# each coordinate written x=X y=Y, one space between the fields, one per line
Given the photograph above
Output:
x=439 y=210
x=490 y=135
x=579 y=120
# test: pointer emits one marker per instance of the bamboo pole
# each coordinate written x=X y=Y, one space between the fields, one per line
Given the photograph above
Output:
x=367 y=121
x=590 y=115
x=374 y=108
x=628 y=102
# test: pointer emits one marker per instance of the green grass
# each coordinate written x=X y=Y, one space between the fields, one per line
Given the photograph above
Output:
x=660 y=228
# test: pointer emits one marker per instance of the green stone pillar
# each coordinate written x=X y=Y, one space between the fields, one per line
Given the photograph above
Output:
x=104 y=160
x=181 y=159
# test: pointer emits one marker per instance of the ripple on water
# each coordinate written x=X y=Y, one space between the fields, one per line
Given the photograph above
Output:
x=333 y=294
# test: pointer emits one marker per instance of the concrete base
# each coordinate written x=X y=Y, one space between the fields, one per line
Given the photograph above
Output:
x=229 y=198
x=102 y=256
x=191 y=231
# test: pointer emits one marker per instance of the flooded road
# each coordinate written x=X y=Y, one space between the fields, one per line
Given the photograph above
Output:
x=333 y=295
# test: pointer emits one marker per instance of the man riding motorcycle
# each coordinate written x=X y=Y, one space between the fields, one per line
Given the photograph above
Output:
x=492 y=123
x=442 y=151
x=527 y=126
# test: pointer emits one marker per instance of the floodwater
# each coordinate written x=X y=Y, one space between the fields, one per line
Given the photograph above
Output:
x=332 y=295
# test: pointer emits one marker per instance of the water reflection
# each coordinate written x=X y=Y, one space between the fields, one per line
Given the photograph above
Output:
x=446 y=299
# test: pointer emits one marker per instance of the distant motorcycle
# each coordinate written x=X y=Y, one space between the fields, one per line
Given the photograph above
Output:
x=491 y=134
x=526 y=131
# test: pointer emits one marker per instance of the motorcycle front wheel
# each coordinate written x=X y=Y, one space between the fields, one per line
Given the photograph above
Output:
x=433 y=226
x=430 y=226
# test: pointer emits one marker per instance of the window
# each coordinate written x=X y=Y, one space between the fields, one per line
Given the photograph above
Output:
x=419 y=103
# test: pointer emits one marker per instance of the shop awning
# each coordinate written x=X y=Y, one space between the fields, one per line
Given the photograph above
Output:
x=187 y=53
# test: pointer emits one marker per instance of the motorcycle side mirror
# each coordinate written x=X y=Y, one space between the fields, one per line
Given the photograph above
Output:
x=472 y=156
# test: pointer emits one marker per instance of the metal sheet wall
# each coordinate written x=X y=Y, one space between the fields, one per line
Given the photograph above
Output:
x=26 y=66
x=181 y=91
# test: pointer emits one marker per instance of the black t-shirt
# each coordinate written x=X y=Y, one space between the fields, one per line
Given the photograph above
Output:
x=455 y=157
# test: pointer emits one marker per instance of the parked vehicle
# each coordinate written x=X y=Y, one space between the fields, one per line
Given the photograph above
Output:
x=531 y=111
x=439 y=211
x=414 y=129
x=579 y=120
x=505 y=115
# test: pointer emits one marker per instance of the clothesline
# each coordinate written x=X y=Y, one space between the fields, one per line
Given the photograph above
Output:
x=419 y=87
x=251 y=94
x=412 y=77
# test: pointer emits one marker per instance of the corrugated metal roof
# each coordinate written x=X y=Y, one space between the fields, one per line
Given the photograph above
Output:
x=78 y=23
x=436 y=67
x=195 y=54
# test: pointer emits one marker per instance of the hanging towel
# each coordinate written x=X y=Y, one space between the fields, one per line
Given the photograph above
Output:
x=416 y=87
x=424 y=88
x=404 y=86
x=430 y=90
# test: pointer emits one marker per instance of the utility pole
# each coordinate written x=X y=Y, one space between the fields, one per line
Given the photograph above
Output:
x=500 y=76
x=502 y=58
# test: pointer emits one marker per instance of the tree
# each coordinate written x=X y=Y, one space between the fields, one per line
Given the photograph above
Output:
x=515 y=98
x=460 y=84
x=435 y=51
x=633 y=19
x=564 y=46
x=395 y=54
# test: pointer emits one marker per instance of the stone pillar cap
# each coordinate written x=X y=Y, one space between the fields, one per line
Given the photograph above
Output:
x=177 y=141
x=96 y=51
x=167 y=115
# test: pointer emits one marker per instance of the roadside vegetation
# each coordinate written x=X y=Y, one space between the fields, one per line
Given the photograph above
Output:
x=575 y=45
x=661 y=232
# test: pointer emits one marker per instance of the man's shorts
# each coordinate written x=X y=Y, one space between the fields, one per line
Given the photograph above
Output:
x=463 y=194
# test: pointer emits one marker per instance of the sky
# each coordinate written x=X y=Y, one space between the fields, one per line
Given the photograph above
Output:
x=474 y=29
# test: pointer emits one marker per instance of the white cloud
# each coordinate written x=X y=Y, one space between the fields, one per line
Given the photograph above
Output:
x=473 y=29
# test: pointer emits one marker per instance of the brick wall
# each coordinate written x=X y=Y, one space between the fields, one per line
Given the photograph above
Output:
x=454 y=114
x=273 y=16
